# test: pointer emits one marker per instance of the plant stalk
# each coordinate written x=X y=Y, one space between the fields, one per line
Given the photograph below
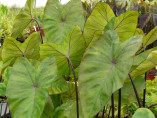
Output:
x=144 y=92
x=76 y=89
x=152 y=106
x=112 y=104
x=119 y=104
x=42 y=41
x=109 y=112
x=137 y=97
x=5 y=112
x=103 y=112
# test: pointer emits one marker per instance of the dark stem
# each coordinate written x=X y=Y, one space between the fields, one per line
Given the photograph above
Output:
x=42 y=41
x=144 y=92
x=77 y=105
x=97 y=115
x=127 y=110
x=112 y=104
x=103 y=112
x=137 y=97
x=109 y=112
x=119 y=104
x=5 y=112
x=152 y=106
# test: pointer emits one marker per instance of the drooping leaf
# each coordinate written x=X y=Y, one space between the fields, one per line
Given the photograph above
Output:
x=126 y=24
x=96 y=22
x=104 y=69
x=146 y=65
x=144 y=19
x=49 y=109
x=23 y=19
x=143 y=113
x=73 y=47
x=60 y=19
x=13 y=48
x=59 y=85
x=28 y=87
x=67 y=110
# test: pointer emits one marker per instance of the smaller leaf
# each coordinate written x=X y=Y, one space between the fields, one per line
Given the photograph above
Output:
x=58 y=85
x=144 y=19
x=155 y=19
x=110 y=25
x=143 y=113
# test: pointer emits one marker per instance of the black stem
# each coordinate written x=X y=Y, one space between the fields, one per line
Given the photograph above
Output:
x=5 y=112
x=97 y=115
x=103 y=112
x=127 y=110
x=144 y=92
x=119 y=104
x=77 y=104
x=112 y=104
x=109 y=112
x=137 y=97
x=152 y=106
x=42 y=41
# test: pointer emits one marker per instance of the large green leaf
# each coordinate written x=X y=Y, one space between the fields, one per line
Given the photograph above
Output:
x=60 y=19
x=23 y=19
x=28 y=87
x=149 y=63
x=104 y=69
x=94 y=26
x=143 y=113
x=73 y=47
x=126 y=25
x=13 y=48
x=67 y=110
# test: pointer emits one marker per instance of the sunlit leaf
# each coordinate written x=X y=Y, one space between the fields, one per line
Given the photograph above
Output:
x=143 y=113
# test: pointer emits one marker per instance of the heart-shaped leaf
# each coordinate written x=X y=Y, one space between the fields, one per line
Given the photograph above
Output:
x=60 y=19
x=13 y=48
x=94 y=26
x=23 y=19
x=73 y=47
x=143 y=113
x=101 y=72
x=126 y=24
x=28 y=87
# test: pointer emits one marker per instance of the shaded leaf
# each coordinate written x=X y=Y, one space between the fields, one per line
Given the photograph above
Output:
x=73 y=47
x=49 y=109
x=144 y=19
x=143 y=113
x=28 y=87
x=155 y=19
x=13 y=48
x=59 y=85
x=60 y=19
x=101 y=72
x=23 y=19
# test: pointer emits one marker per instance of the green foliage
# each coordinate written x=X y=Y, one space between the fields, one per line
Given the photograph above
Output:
x=143 y=113
x=103 y=61
x=60 y=19
x=30 y=86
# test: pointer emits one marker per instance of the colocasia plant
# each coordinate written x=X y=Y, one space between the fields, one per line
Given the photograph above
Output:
x=79 y=68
